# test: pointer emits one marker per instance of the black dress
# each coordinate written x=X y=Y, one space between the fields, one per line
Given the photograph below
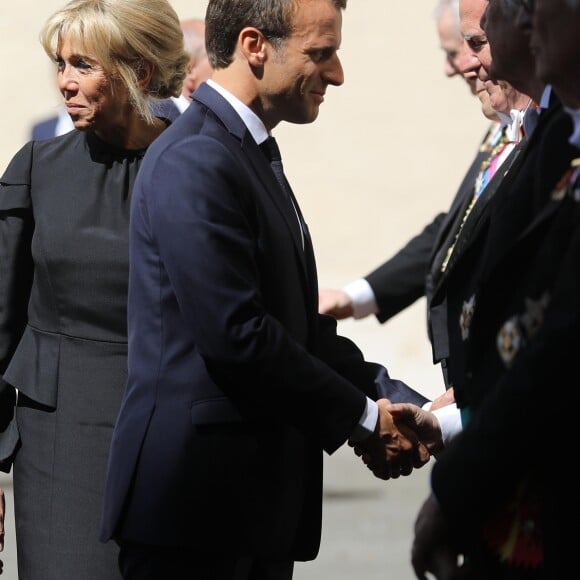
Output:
x=64 y=212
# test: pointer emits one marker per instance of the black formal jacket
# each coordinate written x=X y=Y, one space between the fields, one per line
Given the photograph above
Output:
x=453 y=289
x=236 y=384
x=514 y=338
x=468 y=239
x=403 y=278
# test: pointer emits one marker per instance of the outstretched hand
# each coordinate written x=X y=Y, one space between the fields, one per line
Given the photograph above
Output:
x=393 y=449
x=336 y=303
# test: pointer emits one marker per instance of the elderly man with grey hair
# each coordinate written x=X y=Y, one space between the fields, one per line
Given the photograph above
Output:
x=502 y=494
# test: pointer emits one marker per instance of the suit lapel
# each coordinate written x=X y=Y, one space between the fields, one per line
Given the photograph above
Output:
x=262 y=170
x=537 y=197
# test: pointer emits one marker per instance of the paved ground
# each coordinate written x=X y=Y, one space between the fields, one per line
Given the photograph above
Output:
x=366 y=529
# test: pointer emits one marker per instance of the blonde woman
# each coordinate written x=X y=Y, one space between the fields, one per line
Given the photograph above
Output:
x=64 y=211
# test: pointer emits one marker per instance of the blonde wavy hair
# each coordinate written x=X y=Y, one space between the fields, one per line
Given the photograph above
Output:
x=127 y=38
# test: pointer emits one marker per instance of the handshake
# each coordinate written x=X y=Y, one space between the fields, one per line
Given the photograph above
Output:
x=404 y=439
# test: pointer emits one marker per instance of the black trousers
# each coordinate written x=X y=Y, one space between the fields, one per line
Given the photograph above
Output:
x=143 y=562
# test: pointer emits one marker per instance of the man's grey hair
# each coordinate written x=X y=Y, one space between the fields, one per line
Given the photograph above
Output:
x=443 y=5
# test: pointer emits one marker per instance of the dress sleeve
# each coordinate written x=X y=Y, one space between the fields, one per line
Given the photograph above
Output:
x=16 y=272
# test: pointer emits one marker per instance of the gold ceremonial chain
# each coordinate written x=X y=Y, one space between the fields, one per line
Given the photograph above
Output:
x=452 y=246
x=497 y=150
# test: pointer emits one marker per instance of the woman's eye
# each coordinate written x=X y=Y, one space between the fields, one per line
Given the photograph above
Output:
x=82 y=64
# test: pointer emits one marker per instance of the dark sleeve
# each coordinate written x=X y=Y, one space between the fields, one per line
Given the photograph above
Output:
x=16 y=226
x=526 y=422
x=345 y=358
x=401 y=279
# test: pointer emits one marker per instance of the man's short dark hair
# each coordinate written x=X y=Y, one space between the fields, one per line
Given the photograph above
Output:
x=225 y=19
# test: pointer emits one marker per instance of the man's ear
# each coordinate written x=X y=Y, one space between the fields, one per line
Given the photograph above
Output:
x=254 y=46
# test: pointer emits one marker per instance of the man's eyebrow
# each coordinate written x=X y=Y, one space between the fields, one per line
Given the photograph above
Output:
x=472 y=35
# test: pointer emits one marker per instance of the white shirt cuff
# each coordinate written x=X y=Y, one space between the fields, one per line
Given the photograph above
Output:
x=449 y=418
x=367 y=422
x=363 y=299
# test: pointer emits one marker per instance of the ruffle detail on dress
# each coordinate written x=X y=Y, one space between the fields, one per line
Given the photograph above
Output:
x=33 y=368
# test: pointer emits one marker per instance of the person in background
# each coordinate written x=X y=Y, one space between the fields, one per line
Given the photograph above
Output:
x=236 y=384
x=416 y=270
x=400 y=281
x=446 y=16
x=64 y=215
x=512 y=61
x=458 y=250
x=198 y=69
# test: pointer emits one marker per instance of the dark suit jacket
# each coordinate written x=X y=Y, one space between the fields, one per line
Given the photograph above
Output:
x=403 y=278
x=515 y=364
x=467 y=238
x=454 y=288
x=166 y=109
x=236 y=384
x=412 y=272
x=400 y=281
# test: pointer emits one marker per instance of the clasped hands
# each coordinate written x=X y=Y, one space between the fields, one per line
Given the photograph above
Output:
x=404 y=439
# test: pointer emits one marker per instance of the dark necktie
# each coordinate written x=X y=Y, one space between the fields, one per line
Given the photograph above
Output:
x=271 y=150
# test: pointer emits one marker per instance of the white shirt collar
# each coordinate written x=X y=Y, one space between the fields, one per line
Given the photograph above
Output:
x=512 y=124
x=250 y=119
x=181 y=103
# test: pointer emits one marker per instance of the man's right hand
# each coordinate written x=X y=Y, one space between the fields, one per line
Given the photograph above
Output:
x=336 y=303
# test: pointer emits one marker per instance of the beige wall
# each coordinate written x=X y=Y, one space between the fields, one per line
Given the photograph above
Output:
x=386 y=153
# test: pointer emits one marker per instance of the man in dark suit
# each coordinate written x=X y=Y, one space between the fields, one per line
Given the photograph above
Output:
x=236 y=384
x=400 y=281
